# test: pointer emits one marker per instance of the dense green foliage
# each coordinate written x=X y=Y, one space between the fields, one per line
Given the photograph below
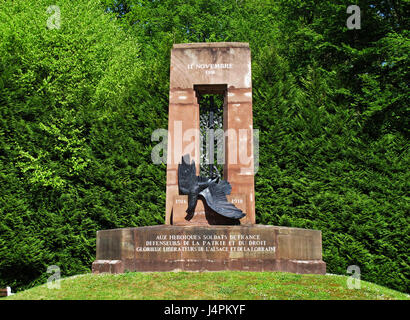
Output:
x=78 y=106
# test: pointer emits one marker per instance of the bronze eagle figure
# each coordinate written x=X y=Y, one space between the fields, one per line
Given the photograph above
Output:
x=214 y=191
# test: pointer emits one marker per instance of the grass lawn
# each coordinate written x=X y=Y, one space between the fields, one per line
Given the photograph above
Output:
x=225 y=285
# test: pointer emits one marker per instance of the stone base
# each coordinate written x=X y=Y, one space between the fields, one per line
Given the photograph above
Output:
x=210 y=248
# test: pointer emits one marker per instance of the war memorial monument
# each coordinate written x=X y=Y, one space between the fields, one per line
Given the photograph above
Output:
x=210 y=216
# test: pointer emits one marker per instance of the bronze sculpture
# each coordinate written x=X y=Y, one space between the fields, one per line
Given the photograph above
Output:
x=214 y=191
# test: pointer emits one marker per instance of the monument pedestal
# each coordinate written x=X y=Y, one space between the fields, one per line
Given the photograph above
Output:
x=209 y=248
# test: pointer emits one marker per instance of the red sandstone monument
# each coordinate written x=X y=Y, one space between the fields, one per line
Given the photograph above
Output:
x=206 y=240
